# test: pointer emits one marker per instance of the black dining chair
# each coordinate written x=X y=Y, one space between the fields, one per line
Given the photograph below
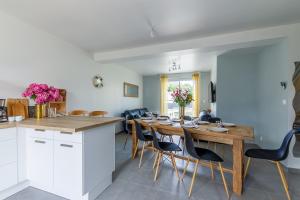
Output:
x=273 y=155
x=162 y=148
x=143 y=136
x=201 y=154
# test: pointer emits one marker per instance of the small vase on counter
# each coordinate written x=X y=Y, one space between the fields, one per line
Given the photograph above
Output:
x=40 y=111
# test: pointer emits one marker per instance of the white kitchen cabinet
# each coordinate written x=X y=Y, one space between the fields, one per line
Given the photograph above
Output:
x=40 y=163
x=76 y=166
x=8 y=158
x=9 y=175
x=8 y=151
x=68 y=169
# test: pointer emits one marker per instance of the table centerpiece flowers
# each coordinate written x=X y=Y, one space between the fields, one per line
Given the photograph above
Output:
x=182 y=97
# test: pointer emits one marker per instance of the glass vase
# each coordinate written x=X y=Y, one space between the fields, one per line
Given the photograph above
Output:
x=181 y=114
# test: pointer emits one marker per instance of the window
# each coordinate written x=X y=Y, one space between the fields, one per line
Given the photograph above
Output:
x=173 y=109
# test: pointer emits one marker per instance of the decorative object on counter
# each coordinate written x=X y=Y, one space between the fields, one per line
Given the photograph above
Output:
x=31 y=111
x=97 y=81
x=16 y=107
x=3 y=112
x=52 y=112
x=182 y=98
x=131 y=90
x=41 y=94
x=61 y=105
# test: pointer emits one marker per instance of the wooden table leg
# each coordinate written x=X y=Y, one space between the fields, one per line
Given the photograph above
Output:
x=238 y=166
x=134 y=141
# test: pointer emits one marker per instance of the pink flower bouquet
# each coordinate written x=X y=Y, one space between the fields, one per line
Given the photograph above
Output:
x=182 y=97
x=41 y=93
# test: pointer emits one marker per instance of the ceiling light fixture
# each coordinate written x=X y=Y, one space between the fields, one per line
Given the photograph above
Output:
x=174 y=64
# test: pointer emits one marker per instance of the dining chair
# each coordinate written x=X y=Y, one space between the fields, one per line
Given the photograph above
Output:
x=275 y=156
x=98 y=113
x=201 y=154
x=162 y=148
x=78 y=113
x=143 y=136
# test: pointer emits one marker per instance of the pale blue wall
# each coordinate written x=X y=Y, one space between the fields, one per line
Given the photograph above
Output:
x=272 y=114
x=236 y=87
x=249 y=91
x=151 y=93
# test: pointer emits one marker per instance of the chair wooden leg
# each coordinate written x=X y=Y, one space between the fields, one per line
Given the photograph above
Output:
x=185 y=168
x=224 y=180
x=212 y=171
x=193 y=179
x=283 y=179
x=175 y=167
x=142 y=154
x=136 y=149
x=157 y=166
x=155 y=161
x=247 y=167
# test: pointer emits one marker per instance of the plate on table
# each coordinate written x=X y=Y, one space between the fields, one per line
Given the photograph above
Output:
x=228 y=124
x=189 y=126
x=202 y=122
x=146 y=118
x=165 y=123
x=217 y=129
x=176 y=120
x=162 y=118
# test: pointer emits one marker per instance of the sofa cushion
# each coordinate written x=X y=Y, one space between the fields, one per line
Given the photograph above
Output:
x=143 y=112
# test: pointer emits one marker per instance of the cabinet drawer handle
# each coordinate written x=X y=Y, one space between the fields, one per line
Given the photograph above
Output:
x=39 y=141
x=68 y=133
x=39 y=130
x=66 y=145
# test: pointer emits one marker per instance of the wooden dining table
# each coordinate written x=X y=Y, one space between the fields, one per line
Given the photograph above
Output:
x=235 y=136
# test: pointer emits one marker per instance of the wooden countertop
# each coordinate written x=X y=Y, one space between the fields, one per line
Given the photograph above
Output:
x=66 y=124
x=7 y=125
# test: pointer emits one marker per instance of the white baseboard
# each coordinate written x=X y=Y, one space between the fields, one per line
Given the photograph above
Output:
x=13 y=190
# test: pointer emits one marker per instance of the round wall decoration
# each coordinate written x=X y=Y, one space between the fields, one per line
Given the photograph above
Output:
x=98 y=81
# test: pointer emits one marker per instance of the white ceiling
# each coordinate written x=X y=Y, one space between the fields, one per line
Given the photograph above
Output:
x=159 y=64
x=190 y=60
x=102 y=25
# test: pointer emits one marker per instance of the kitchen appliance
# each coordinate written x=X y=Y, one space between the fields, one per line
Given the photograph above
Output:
x=3 y=113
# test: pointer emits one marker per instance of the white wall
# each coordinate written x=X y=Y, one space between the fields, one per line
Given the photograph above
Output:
x=31 y=55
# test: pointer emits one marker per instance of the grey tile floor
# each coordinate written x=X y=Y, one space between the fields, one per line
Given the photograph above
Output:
x=130 y=182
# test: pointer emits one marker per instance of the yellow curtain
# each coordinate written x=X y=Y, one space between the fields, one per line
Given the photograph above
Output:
x=163 y=95
x=196 y=94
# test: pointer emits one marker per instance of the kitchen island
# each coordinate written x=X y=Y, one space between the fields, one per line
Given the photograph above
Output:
x=72 y=157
